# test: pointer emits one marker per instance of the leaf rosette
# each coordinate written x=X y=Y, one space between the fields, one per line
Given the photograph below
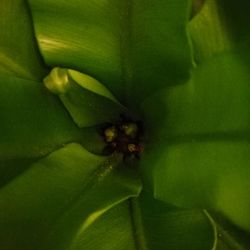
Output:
x=161 y=85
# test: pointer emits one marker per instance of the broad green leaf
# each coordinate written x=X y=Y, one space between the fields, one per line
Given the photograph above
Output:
x=60 y=196
x=134 y=48
x=228 y=235
x=88 y=102
x=147 y=224
x=200 y=156
x=113 y=231
x=221 y=26
x=233 y=194
x=19 y=54
x=215 y=101
x=167 y=227
x=13 y=166
x=111 y=187
x=212 y=174
x=10 y=168
x=33 y=122
x=208 y=32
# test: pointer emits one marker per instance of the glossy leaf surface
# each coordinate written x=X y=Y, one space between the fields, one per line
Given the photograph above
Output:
x=33 y=122
x=117 y=42
x=115 y=228
x=197 y=133
x=144 y=223
x=19 y=54
x=215 y=102
x=88 y=102
x=73 y=188
x=167 y=227
x=204 y=139
x=219 y=27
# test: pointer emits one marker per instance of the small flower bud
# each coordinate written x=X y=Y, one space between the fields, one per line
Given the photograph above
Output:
x=130 y=129
x=110 y=134
x=57 y=81
x=132 y=147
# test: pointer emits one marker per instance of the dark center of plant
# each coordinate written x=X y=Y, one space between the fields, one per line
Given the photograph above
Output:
x=124 y=137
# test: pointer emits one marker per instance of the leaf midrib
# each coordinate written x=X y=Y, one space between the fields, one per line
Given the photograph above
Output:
x=125 y=48
x=137 y=224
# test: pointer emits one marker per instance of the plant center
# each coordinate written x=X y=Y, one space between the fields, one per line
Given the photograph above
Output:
x=124 y=137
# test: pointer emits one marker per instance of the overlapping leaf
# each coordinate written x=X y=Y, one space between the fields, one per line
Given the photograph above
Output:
x=33 y=122
x=216 y=100
x=145 y=223
x=229 y=236
x=133 y=47
x=19 y=54
x=60 y=196
x=88 y=101
x=219 y=27
x=206 y=131
x=206 y=138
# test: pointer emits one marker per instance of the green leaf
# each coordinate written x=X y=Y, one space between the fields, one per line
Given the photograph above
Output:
x=208 y=173
x=200 y=155
x=10 y=168
x=144 y=223
x=60 y=196
x=219 y=27
x=115 y=228
x=167 y=227
x=215 y=101
x=233 y=192
x=194 y=173
x=88 y=102
x=228 y=235
x=208 y=32
x=19 y=55
x=133 y=48
x=33 y=122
